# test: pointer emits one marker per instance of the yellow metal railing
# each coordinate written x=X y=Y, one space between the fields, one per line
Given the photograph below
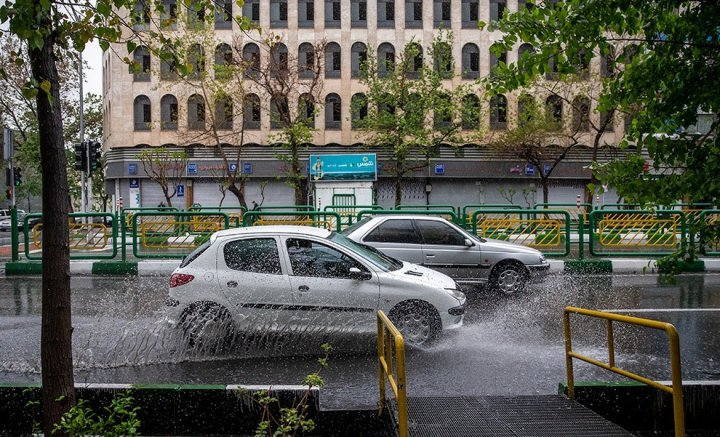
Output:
x=327 y=224
x=174 y=234
x=675 y=389
x=387 y=337
x=528 y=232
x=83 y=236
x=633 y=230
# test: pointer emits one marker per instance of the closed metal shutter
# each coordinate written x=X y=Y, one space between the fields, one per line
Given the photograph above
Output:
x=207 y=193
x=150 y=194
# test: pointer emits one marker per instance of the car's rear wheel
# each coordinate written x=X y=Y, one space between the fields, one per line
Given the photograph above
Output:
x=509 y=278
x=207 y=327
x=418 y=322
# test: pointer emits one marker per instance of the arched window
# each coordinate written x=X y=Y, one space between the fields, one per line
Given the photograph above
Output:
x=582 y=64
x=523 y=52
x=332 y=60
x=279 y=112
x=306 y=109
x=141 y=64
x=471 y=112
x=333 y=112
x=196 y=112
x=168 y=112
x=554 y=110
x=527 y=108
x=251 y=60
x=251 y=112
x=442 y=59
x=223 y=62
x=359 y=109
x=552 y=71
x=143 y=113
x=306 y=61
x=498 y=112
x=413 y=60
x=279 y=60
x=196 y=59
x=358 y=57
x=496 y=59
x=168 y=65
x=581 y=114
x=607 y=62
x=470 y=61
x=442 y=113
x=385 y=58
x=223 y=113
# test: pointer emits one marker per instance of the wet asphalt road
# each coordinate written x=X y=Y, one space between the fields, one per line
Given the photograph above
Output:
x=509 y=346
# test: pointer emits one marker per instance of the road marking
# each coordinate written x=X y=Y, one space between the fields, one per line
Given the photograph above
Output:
x=664 y=310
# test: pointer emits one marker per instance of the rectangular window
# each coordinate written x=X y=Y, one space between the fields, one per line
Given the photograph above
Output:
x=278 y=13
x=417 y=11
x=251 y=9
x=390 y=11
x=223 y=14
x=446 y=11
x=470 y=14
x=386 y=14
x=497 y=7
x=306 y=14
x=358 y=13
x=332 y=14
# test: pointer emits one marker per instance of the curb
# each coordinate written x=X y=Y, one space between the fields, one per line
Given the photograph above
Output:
x=166 y=267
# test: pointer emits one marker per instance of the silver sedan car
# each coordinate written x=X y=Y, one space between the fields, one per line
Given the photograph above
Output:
x=438 y=244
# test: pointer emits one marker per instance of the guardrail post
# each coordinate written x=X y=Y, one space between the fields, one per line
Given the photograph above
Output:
x=581 y=238
x=14 y=239
x=123 y=232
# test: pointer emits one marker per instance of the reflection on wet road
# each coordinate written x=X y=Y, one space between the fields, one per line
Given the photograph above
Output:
x=508 y=346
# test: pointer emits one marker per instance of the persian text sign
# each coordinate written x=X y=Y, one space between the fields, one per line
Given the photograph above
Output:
x=355 y=167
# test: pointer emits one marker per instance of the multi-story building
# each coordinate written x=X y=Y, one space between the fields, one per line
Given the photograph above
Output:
x=145 y=107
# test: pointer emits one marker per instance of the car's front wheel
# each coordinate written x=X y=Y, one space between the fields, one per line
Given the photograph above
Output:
x=207 y=327
x=509 y=278
x=418 y=322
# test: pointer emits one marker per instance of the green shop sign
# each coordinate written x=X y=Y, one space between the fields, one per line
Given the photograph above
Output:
x=355 y=167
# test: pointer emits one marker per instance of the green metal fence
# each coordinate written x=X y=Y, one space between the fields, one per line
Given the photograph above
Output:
x=169 y=234
x=90 y=236
x=636 y=232
x=546 y=230
x=349 y=212
x=704 y=230
x=446 y=214
x=320 y=219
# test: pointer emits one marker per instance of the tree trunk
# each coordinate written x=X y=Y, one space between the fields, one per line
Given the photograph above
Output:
x=58 y=389
x=239 y=192
x=546 y=189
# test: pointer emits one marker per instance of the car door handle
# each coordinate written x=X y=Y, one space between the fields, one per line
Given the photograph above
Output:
x=430 y=255
x=232 y=284
x=303 y=288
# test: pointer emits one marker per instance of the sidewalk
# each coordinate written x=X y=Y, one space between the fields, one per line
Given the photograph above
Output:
x=166 y=267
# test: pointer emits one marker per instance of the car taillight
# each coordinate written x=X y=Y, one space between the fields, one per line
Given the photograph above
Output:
x=178 y=279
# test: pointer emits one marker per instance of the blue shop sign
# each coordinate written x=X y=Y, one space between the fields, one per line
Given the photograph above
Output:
x=247 y=168
x=181 y=190
x=134 y=183
x=232 y=167
x=529 y=170
x=439 y=168
x=132 y=169
x=356 y=167
x=192 y=168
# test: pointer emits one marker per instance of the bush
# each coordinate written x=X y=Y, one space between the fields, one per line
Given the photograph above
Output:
x=121 y=419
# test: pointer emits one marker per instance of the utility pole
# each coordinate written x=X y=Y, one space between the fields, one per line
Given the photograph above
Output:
x=83 y=184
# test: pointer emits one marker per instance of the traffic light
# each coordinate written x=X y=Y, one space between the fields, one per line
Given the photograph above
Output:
x=17 y=172
x=8 y=193
x=81 y=163
x=95 y=155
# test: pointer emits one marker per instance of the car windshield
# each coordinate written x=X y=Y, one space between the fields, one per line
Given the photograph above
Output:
x=371 y=254
x=350 y=229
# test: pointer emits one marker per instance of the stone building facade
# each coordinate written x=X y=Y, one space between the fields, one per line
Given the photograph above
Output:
x=144 y=109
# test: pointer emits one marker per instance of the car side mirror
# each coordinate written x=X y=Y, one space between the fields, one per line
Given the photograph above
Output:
x=358 y=275
x=469 y=243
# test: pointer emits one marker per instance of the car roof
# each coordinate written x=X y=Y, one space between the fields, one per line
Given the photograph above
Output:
x=409 y=216
x=272 y=229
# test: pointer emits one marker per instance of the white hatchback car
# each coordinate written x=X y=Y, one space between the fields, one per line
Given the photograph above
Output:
x=289 y=278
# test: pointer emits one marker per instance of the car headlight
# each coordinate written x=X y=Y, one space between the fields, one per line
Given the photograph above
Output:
x=459 y=295
x=542 y=259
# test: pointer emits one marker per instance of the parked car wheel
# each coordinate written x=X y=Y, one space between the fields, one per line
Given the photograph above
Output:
x=509 y=278
x=207 y=327
x=418 y=322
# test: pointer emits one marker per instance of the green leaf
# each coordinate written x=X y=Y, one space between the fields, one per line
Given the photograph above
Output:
x=45 y=86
